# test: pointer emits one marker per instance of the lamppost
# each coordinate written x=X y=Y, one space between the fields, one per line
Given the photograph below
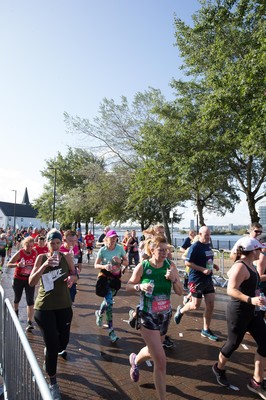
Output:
x=55 y=172
x=171 y=215
x=197 y=219
x=13 y=190
x=92 y=224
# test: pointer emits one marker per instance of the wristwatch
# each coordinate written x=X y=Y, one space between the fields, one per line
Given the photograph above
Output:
x=137 y=288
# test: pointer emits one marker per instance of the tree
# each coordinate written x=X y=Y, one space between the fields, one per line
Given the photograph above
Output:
x=77 y=175
x=115 y=131
x=181 y=163
x=225 y=53
x=116 y=135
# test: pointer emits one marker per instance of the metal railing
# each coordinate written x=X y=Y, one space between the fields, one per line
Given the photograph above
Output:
x=22 y=376
x=221 y=258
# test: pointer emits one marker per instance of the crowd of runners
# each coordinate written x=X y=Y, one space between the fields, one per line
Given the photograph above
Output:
x=53 y=259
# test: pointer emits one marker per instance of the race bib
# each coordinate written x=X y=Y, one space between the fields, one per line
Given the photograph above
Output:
x=160 y=305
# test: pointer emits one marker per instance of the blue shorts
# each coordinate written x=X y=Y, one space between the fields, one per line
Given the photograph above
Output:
x=155 y=322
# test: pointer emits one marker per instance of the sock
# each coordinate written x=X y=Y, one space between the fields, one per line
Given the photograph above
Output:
x=53 y=380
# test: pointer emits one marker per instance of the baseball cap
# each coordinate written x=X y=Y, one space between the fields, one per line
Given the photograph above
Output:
x=249 y=244
x=111 y=234
x=262 y=238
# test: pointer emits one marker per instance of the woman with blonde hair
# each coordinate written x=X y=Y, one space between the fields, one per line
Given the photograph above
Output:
x=23 y=262
x=154 y=280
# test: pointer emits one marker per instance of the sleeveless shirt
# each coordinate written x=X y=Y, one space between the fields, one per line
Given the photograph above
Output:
x=159 y=302
x=58 y=297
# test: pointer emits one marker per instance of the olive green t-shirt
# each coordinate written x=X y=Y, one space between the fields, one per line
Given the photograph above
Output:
x=53 y=292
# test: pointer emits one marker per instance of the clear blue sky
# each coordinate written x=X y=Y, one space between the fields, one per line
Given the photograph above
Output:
x=62 y=55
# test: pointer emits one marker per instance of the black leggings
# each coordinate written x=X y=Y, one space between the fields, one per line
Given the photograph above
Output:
x=55 y=328
x=18 y=286
x=238 y=323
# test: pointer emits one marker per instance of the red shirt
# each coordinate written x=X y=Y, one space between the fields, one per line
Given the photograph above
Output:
x=89 y=239
x=40 y=249
x=24 y=273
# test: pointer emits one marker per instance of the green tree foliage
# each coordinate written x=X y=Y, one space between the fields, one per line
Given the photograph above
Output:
x=180 y=161
x=224 y=52
x=78 y=176
x=115 y=134
x=115 y=131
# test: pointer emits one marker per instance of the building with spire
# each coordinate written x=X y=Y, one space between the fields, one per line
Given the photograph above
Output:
x=19 y=215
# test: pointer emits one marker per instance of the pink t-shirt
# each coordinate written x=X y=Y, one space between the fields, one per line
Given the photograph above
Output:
x=64 y=249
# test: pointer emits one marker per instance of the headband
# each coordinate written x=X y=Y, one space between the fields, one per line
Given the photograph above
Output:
x=54 y=235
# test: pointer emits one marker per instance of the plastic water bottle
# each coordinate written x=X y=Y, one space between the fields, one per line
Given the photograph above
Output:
x=23 y=263
x=71 y=252
x=149 y=293
x=55 y=259
x=263 y=308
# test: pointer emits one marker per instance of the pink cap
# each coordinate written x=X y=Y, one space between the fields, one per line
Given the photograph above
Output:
x=111 y=234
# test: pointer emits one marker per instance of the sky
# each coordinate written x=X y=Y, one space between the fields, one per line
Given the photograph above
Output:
x=67 y=55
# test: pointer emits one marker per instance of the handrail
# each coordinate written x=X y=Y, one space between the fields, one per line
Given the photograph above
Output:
x=21 y=372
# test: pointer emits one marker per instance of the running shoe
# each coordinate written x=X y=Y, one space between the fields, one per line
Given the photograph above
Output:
x=54 y=389
x=132 y=318
x=113 y=336
x=178 y=315
x=99 y=318
x=168 y=343
x=256 y=387
x=63 y=354
x=134 y=370
x=220 y=375
x=29 y=326
x=208 y=334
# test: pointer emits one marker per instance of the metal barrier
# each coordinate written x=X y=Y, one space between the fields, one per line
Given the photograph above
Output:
x=23 y=378
x=224 y=263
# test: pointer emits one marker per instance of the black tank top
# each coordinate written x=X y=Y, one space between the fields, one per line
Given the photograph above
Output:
x=249 y=286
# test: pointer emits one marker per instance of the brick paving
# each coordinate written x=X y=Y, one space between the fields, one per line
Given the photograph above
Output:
x=96 y=369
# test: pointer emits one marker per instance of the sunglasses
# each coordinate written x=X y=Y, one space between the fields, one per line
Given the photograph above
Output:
x=259 y=232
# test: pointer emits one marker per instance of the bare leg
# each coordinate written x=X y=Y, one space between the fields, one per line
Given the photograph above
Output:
x=259 y=364
x=222 y=360
x=30 y=312
x=155 y=349
x=194 y=304
x=209 y=305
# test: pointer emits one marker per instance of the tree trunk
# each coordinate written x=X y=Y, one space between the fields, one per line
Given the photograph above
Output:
x=254 y=217
x=166 y=226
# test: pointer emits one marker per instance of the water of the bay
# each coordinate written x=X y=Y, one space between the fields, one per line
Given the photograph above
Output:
x=225 y=242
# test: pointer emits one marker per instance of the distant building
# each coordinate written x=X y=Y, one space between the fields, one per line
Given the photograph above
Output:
x=192 y=224
x=19 y=215
x=262 y=215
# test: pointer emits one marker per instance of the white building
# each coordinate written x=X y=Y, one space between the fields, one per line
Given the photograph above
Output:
x=19 y=215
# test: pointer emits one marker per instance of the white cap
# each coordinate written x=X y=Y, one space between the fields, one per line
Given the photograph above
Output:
x=249 y=244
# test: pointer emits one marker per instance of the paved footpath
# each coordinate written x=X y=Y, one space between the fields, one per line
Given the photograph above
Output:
x=96 y=369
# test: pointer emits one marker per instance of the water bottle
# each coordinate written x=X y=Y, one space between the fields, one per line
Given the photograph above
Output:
x=23 y=263
x=209 y=264
x=76 y=260
x=71 y=252
x=55 y=259
x=149 y=292
x=262 y=296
